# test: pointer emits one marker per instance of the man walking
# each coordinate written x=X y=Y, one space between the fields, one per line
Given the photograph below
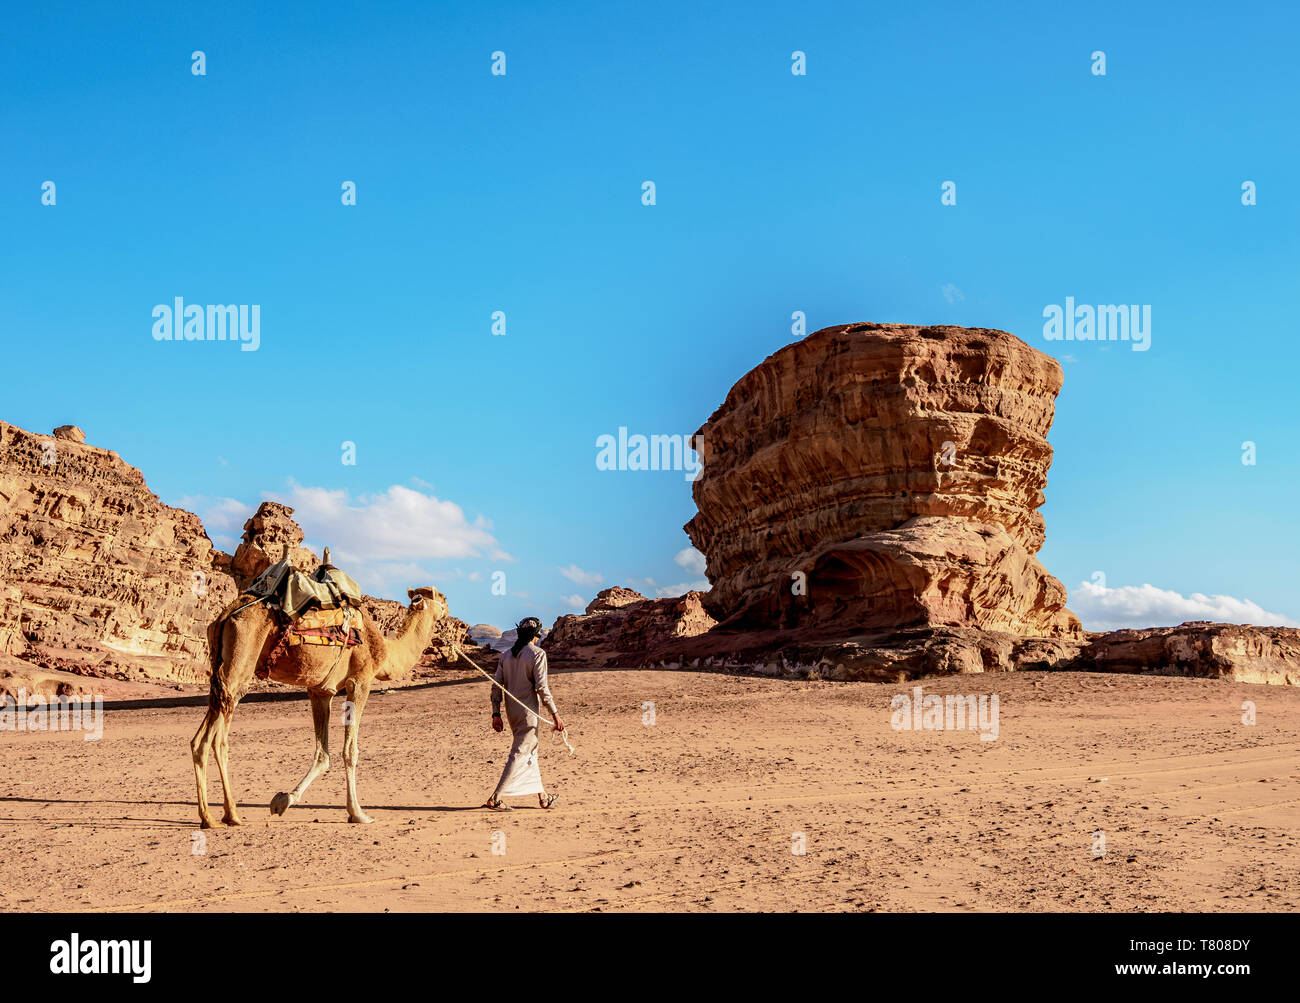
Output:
x=522 y=671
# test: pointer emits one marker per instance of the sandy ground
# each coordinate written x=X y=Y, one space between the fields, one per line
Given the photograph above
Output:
x=701 y=811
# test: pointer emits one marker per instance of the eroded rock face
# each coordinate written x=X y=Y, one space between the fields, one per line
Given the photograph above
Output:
x=615 y=597
x=95 y=568
x=1243 y=654
x=1233 y=652
x=265 y=536
x=878 y=476
x=621 y=626
x=485 y=634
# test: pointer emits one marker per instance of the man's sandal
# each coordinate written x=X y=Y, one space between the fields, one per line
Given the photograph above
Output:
x=496 y=805
x=546 y=800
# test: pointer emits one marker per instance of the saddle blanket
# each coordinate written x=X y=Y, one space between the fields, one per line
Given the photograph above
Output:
x=316 y=626
x=324 y=626
x=293 y=591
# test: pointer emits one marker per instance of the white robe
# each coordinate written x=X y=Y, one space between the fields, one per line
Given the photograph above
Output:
x=525 y=677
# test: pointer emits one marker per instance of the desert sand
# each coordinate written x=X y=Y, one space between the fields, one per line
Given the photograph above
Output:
x=699 y=812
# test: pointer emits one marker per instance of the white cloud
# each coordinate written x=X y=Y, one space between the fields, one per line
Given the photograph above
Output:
x=400 y=524
x=691 y=559
x=574 y=601
x=952 y=294
x=383 y=540
x=1102 y=608
x=579 y=577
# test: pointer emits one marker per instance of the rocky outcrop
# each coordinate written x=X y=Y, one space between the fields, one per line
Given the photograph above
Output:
x=485 y=633
x=883 y=476
x=622 y=627
x=614 y=597
x=266 y=534
x=498 y=640
x=1243 y=654
x=94 y=569
x=883 y=656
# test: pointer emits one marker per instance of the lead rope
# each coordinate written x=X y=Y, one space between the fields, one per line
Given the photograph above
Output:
x=564 y=735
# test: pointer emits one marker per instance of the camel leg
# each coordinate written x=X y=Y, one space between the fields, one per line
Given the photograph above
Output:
x=199 y=747
x=351 y=748
x=230 y=682
x=221 y=748
x=320 y=762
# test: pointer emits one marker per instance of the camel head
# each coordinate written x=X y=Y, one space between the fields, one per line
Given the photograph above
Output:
x=428 y=597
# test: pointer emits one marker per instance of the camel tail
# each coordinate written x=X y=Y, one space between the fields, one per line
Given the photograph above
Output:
x=215 y=630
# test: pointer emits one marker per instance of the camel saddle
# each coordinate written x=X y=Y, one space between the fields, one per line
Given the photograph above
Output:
x=291 y=591
x=322 y=608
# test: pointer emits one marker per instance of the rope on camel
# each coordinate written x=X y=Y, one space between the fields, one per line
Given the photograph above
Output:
x=564 y=734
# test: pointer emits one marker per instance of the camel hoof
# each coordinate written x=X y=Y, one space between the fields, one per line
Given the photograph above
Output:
x=281 y=803
x=360 y=817
x=206 y=823
x=232 y=820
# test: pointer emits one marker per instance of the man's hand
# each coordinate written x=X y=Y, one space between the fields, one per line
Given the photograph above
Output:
x=559 y=724
x=496 y=723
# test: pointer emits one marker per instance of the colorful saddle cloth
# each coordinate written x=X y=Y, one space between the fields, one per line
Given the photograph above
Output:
x=334 y=627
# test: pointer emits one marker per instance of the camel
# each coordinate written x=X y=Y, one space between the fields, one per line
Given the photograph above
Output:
x=236 y=645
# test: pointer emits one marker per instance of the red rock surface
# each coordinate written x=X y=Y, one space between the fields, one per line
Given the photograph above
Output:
x=1243 y=654
x=95 y=569
x=621 y=626
x=265 y=536
x=899 y=468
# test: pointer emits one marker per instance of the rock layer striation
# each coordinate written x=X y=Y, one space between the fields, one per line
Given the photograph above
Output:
x=877 y=476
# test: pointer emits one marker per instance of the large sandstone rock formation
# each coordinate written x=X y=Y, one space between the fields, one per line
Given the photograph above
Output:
x=883 y=476
x=622 y=627
x=94 y=569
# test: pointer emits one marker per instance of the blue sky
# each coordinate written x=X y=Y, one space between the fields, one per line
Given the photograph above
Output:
x=774 y=193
